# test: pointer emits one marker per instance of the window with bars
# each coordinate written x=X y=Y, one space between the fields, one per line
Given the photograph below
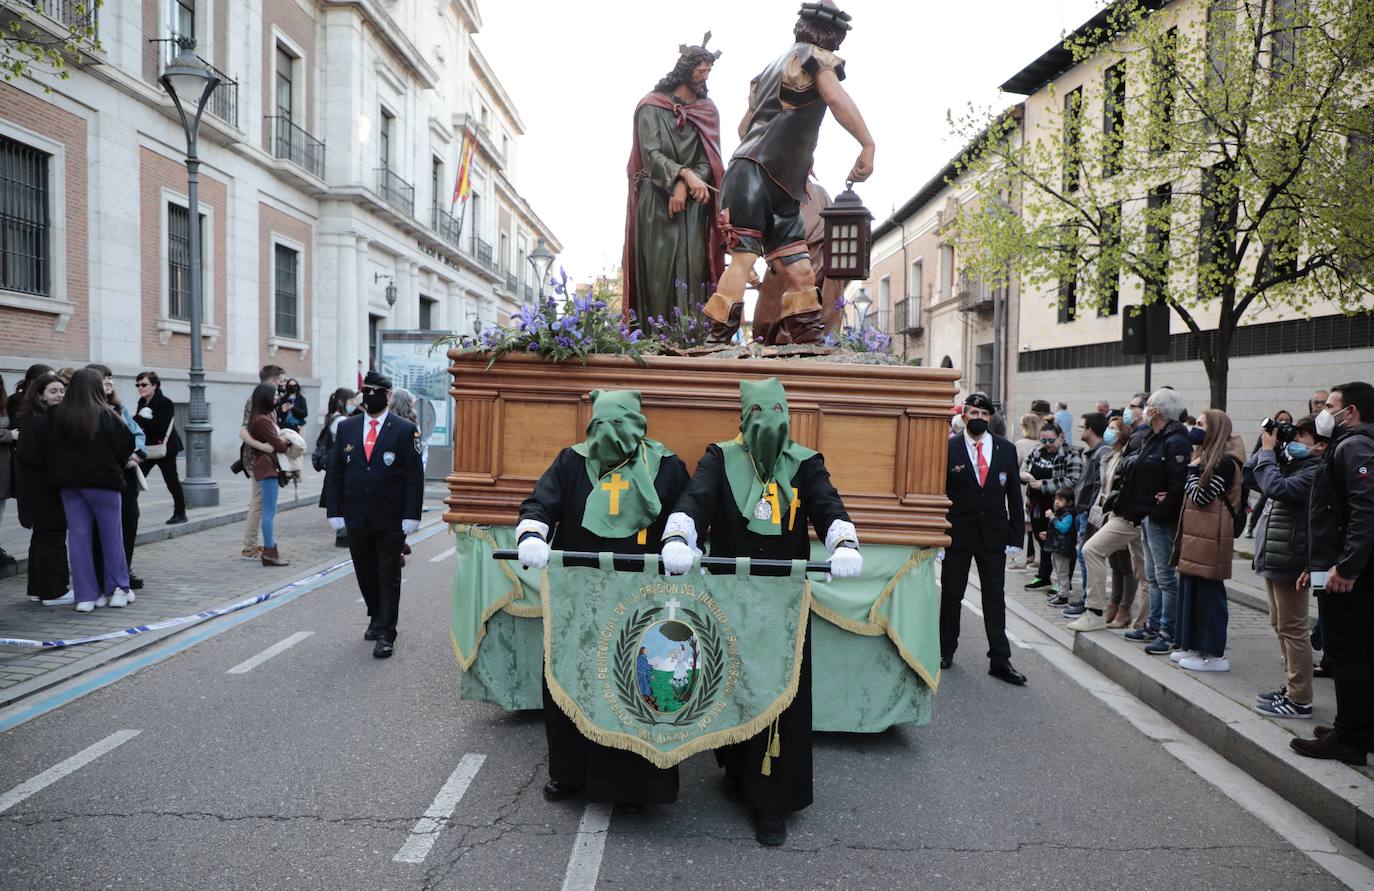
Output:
x=982 y=369
x=287 y=292
x=179 y=261
x=24 y=223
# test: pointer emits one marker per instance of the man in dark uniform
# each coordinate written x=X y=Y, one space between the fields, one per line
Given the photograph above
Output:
x=610 y=492
x=765 y=183
x=986 y=519
x=755 y=495
x=375 y=487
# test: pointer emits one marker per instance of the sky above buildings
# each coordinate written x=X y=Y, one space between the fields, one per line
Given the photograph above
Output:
x=576 y=70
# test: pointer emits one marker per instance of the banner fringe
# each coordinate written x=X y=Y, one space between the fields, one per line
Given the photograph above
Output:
x=504 y=602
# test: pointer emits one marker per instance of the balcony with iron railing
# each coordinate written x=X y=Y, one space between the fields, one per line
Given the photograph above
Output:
x=292 y=143
x=512 y=284
x=75 y=15
x=396 y=191
x=529 y=293
x=482 y=251
x=976 y=295
x=446 y=225
x=907 y=317
x=224 y=101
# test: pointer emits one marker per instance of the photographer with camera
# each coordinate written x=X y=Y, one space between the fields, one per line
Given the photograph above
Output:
x=1340 y=518
x=1284 y=468
x=1282 y=418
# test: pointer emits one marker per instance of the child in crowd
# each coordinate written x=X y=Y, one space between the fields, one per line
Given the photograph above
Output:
x=1061 y=540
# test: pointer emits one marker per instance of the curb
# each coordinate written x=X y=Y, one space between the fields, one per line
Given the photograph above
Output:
x=1335 y=795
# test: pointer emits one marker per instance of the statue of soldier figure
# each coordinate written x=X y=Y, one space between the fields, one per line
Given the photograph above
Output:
x=765 y=184
x=673 y=243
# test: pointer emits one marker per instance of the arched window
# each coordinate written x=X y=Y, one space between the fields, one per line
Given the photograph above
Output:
x=946 y=362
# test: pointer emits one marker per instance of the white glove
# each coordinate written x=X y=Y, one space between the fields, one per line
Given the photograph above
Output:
x=409 y=526
x=1013 y=549
x=145 y=413
x=940 y=554
x=846 y=563
x=677 y=557
x=336 y=523
x=534 y=552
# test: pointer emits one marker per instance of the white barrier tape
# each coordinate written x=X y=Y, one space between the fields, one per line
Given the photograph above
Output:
x=180 y=620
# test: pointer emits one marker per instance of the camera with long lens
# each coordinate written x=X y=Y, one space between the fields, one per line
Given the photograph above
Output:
x=1282 y=432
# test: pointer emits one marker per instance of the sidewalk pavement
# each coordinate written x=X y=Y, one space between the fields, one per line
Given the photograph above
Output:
x=1218 y=707
x=155 y=507
x=182 y=576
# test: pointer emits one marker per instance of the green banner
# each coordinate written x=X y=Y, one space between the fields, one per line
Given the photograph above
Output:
x=668 y=666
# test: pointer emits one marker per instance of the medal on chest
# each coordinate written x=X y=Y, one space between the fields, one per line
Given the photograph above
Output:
x=763 y=510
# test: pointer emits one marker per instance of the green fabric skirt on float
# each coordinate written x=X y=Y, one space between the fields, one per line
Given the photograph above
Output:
x=875 y=639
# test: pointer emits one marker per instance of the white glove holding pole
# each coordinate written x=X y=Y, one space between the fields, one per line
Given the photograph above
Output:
x=677 y=557
x=1012 y=550
x=846 y=563
x=409 y=526
x=336 y=523
x=534 y=552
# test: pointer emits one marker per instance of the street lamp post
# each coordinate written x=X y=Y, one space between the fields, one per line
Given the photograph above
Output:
x=187 y=76
x=862 y=304
x=540 y=260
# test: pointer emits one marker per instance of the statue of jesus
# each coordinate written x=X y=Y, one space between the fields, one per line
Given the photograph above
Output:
x=673 y=246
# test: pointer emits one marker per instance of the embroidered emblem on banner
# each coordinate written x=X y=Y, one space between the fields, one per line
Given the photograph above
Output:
x=668 y=670
x=388 y=458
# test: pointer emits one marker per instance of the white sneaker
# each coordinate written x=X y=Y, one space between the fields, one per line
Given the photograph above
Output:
x=1089 y=621
x=119 y=598
x=35 y=598
x=102 y=600
x=86 y=607
x=129 y=595
x=1177 y=656
x=1205 y=663
x=65 y=600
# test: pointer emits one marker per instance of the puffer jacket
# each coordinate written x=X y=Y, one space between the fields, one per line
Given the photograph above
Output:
x=1161 y=465
x=1205 y=542
x=1281 y=533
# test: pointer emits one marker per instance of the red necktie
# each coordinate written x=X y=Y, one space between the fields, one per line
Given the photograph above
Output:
x=371 y=440
x=982 y=465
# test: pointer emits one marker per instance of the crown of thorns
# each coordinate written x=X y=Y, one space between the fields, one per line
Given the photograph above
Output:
x=686 y=50
x=826 y=12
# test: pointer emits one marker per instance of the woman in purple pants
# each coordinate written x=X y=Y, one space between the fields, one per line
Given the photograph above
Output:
x=85 y=449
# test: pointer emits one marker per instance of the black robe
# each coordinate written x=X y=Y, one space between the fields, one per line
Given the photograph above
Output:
x=711 y=505
x=603 y=773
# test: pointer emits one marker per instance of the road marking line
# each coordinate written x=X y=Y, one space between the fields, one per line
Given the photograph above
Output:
x=63 y=768
x=443 y=555
x=278 y=647
x=585 y=863
x=978 y=611
x=428 y=827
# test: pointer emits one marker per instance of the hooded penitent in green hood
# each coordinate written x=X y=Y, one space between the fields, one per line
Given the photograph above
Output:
x=761 y=462
x=621 y=464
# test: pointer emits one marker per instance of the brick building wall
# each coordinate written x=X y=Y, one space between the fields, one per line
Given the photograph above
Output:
x=159 y=175
x=273 y=222
x=29 y=332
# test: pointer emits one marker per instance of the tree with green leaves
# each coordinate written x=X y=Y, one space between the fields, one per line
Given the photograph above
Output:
x=46 y=36
x=1231 y=169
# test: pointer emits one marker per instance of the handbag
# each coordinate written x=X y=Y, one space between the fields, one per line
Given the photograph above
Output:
x=159 y=451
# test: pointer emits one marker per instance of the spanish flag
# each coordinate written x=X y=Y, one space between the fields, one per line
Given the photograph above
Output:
x=463 y=185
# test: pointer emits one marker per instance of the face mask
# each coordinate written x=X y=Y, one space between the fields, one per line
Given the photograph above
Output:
x=1128 y=417
x=1298 y=450
x=977 y=427
x=1326 y=421
x=1196 y=436
x=1109 y=437
x=374 y=401
x=765 y=431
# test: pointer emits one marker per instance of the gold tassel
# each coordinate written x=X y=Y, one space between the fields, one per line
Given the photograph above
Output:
x=776 y=750
x=767 y=765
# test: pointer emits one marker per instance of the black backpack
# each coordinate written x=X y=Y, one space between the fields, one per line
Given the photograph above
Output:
x=324 y=443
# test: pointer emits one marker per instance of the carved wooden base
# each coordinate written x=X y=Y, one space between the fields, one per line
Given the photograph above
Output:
x=883 y=429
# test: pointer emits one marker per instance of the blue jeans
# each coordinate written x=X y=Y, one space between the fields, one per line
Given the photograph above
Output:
x=1202 y=615
x=271 y=490
x=1082 y=521
x=1158 y=539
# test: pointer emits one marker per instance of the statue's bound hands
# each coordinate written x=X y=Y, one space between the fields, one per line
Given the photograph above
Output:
x=696 y=186
x=863 y=168
x=678 y=200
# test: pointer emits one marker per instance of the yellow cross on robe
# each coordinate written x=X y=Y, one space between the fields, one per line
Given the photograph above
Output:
x=773 y=502
x=615 y=485
x=792 y=511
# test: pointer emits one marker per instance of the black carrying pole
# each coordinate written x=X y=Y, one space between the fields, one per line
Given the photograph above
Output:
x=813 y=566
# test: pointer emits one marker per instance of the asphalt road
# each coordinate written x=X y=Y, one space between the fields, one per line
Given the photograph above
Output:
x=311 y=769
